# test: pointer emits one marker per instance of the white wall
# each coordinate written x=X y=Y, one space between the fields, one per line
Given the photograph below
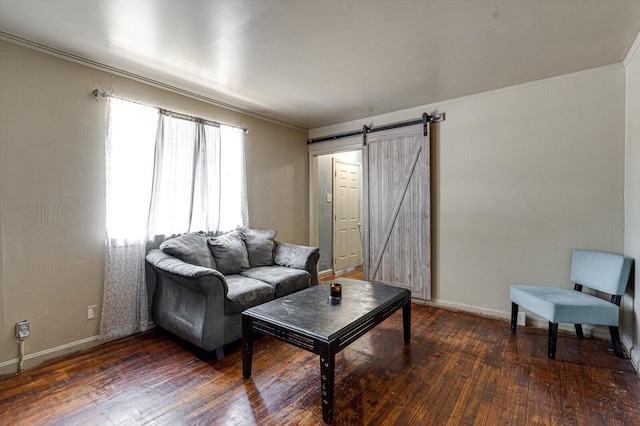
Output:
x=52 y=195
x=631 y=302
x=520 y=177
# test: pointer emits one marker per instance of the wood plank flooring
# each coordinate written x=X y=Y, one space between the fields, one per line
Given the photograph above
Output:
x=459 y=369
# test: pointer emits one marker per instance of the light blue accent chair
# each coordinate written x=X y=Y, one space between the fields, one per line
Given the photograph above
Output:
x=604 y=272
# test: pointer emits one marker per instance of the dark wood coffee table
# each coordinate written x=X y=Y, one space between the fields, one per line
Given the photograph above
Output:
x=309 y=320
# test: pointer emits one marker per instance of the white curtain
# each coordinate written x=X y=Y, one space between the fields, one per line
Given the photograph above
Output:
x=198 y=177
x=167 y=174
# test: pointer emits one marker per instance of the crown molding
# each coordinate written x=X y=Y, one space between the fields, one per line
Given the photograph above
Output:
x=632 y=52
x=140 y=78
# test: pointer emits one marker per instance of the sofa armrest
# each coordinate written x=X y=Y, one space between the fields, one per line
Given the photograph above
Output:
x=298 y=257
x=172 y=265
x=182 y=272
x=185 y=299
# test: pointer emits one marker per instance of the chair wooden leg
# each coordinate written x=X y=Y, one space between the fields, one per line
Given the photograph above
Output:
x=514 y=317
x=553 y=338
x=615 y=340
x=579 y=330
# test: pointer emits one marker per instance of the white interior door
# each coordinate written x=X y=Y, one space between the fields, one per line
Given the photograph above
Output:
x=347 y=239
x=397 y=238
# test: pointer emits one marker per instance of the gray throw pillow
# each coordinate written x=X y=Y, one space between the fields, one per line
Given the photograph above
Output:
x=191 y=248
x=293 y=256
x=260 y=244
x=229 y=252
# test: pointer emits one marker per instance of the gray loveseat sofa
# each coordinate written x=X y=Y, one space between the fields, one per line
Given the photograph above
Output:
x=198 y=286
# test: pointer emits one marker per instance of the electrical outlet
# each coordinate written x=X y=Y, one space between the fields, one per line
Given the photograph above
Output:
x=91 y=313
x=522 y=318
x=22 y=329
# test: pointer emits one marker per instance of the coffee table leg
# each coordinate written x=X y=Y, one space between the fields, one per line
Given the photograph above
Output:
x=406 y=321
x=327 y=376
x=247 y=346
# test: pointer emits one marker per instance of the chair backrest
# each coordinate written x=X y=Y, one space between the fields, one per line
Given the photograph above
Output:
x=606 y=272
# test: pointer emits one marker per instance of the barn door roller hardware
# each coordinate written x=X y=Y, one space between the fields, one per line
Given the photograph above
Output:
x=425 y=121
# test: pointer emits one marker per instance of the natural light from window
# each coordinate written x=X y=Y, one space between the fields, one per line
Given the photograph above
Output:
x=130 y=150
x=169 y=175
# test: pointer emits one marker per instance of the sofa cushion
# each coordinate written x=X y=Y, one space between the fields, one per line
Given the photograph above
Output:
x=293 y=256
x=245 y=292
x=284 y=280
x=260 y=244
x=229 y=252
x=191 y=248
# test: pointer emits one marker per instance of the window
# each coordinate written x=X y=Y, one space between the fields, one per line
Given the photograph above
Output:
x=170 y=174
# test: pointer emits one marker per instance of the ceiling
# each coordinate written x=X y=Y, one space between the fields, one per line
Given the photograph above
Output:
x=315 y=63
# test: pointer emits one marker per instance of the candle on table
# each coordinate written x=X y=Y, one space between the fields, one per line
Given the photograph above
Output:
x=336 y=290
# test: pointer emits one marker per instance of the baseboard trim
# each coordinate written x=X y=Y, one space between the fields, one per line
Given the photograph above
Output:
x=454 y=306
x=626 y=342
x=40 y=356
x=634 y=354
x=325 y=273
x=532 y=320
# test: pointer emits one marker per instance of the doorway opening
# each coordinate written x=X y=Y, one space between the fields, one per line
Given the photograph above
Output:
x=337 y=210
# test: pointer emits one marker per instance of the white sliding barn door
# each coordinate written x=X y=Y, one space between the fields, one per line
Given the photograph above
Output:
x=397 y=239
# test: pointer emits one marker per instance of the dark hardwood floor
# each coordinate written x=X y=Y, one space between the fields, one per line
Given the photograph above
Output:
x=458 y=369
